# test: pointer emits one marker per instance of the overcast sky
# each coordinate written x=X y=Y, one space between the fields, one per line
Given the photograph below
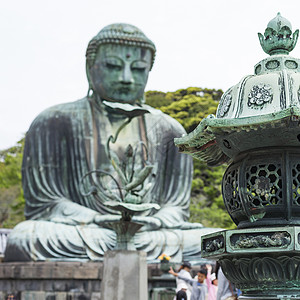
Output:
x=210 y=44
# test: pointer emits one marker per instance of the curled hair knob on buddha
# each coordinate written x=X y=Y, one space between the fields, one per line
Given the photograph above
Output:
x=119 y=33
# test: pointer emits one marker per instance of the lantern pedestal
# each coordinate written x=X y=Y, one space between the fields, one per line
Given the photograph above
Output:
x=263 y=262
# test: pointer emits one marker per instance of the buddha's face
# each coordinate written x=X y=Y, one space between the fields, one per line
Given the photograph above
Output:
x=120 y=72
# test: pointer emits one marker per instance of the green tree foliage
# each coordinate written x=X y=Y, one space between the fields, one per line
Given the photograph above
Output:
x=11 y=193
x=189 y=106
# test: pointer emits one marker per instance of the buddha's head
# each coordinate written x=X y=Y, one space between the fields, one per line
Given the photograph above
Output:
x=118 y=61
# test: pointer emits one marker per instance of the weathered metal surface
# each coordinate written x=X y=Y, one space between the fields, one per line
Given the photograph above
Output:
x=243 y=241
x=257 y=131
x=264 y=262
x=88 y=162
x=268 y=99
x=262 y=187
x=278 y=37
x=3 y=241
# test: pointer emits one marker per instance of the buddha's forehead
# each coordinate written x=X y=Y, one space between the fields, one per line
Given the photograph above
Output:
x=124 y=52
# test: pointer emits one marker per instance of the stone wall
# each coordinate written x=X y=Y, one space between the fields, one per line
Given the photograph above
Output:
x=65 y=281
x=50 y=280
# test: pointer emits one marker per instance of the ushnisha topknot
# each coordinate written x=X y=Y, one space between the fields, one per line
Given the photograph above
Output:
x=119 y=33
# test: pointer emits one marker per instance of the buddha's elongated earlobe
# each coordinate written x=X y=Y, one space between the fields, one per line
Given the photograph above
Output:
x=90 y=92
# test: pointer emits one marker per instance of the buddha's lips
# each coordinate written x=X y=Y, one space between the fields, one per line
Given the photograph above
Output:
x=124 y=90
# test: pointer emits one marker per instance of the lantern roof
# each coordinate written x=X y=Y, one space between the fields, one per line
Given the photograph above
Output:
x=253 y=112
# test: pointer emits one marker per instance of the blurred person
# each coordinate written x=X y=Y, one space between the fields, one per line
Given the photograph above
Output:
x=226 y=289
x=184 y=271
x=199 y=289
x=181 y=295
x=212 y=287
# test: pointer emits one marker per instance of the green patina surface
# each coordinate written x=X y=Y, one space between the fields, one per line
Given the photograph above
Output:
x=94 y=168
x=261 y=263
x=202 y=142
x=276 y=39
x=257 y=131
x=267 y=99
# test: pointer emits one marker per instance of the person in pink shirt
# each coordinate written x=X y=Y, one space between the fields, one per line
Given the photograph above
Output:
x=211 y=288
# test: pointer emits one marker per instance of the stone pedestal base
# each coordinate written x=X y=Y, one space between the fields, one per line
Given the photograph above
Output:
x=70 y=281
x=125 y=275
x=50 y=280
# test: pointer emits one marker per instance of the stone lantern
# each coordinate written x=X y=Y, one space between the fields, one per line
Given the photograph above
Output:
x=256 y=131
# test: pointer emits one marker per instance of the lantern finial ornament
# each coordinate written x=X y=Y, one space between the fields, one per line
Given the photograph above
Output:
x=278 y=37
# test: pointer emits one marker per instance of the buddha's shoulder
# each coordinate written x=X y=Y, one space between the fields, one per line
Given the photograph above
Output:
x=67 y=110
x=163 y=120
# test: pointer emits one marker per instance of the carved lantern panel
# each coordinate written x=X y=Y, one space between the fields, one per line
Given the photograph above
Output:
x=263 y=187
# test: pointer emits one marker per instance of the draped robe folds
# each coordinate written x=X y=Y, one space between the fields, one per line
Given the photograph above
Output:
x=66 y=142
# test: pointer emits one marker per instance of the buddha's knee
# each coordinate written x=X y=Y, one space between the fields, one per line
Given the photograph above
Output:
x=18 y=244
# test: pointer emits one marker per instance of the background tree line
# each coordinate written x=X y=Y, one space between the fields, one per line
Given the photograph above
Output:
x=188 y=106
x=12 y=201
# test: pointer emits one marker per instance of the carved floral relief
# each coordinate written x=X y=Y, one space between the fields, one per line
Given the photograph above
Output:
x=259 y=95
x=224 y=107
x=214 y=245
x=278 y=239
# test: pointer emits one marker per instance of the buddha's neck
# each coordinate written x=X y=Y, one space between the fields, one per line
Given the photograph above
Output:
x=116 y=117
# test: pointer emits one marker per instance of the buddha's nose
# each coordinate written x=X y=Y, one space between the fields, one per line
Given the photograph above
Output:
x=126 y=76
